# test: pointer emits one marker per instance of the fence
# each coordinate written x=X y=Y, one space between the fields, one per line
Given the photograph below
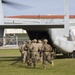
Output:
x=12 y=41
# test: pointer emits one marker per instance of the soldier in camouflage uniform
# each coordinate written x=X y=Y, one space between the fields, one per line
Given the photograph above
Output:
x=40 y=44
x=34 y=52
x=29 y=62
x=24 y=52
x=46 y=53
x=20 y=49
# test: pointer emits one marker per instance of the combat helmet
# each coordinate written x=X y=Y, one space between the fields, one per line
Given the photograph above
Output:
x=45 y=40
x=35 y=40
x=39 y=41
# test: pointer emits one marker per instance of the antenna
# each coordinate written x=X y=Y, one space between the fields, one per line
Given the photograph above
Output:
x=1 y=14
x=66 y=19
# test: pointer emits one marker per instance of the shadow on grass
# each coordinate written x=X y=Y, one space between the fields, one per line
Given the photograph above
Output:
x=18 y=58
x=31 y=67
x=61 y=57
x=15 y=59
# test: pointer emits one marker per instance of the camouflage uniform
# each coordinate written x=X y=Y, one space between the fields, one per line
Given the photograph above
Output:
x=20 y=49
x=34 y=52
x=46 y=53
x=24 y=52
x=40 y=44
x=29 y=53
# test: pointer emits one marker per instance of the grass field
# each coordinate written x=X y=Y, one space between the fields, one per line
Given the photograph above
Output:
x=11 y=65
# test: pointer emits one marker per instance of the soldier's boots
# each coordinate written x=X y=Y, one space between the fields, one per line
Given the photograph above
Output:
x=34 y=65
x=29 y=63
x=52 y=64
x=44 y=66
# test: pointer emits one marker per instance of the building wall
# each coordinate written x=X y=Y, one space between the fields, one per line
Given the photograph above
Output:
x=15 y=36
x=14 y=31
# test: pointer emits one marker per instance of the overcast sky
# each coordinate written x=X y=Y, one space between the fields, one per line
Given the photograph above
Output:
x=38 y=7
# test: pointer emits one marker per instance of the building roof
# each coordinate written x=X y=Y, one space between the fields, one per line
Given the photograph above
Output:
x=40 y=16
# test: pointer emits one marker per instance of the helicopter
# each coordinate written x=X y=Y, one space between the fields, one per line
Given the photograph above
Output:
x=58 y=34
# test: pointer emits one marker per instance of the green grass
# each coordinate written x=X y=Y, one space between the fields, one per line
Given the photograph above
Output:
x=7 y=52
x=11 y=65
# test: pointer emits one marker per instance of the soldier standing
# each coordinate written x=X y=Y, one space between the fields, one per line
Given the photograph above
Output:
x=29 y=53
x=24 y=52
x=46 y=53
x=34 y=52
x=20 y=49
x=40 y=44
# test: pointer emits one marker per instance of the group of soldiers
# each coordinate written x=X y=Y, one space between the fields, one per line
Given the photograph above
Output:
x=33 y=51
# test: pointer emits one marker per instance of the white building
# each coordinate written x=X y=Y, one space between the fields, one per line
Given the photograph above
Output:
x=15 y=36
x=14 y=31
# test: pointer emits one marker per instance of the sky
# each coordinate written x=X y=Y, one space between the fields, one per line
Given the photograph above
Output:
x=38 y=7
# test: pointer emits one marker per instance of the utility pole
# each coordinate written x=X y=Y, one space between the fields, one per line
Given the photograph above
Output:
x=66 y=18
